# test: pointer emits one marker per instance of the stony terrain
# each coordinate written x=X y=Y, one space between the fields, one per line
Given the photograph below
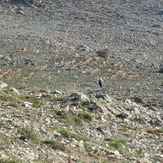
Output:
x=52 y=45
x=54 y=127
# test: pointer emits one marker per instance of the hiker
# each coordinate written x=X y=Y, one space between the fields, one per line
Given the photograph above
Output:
x=100 y=82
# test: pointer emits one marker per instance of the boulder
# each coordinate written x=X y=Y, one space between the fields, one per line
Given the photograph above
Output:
x=104 y=97
x=101 y=107
x=3 y=85
x=80 y=97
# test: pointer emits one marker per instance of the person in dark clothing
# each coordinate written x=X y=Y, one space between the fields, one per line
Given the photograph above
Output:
x=101 y=82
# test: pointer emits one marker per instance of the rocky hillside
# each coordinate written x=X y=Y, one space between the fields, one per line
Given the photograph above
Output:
x=55 y=127
x=51 y=53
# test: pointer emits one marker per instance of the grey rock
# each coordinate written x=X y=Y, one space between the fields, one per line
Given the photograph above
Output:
x=14 y=90
x=1 y=56
x=103 y=96
x=57 y=92
x=157 y=122
x=7 y=59
x=80 y=97
x=122 y=116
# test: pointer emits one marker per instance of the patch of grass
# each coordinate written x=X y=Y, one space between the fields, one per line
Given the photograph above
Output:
x=3 y=125
x=65 y=133
x=80 y=136
x=32 y=99
x=60 y=98
x=85 y=116
x=29 y=134
x=86 y=105
x=87 y=146
x=8 y=98
x=4 y=141
x=116 y=143
x=61 y=113
x=78 y=120
x=144 y=137
x=128 y=127
x=55 y=145
x=6 y=91
x=77 y=136
x=155 y=131
x=10 y=159
x=139 y=120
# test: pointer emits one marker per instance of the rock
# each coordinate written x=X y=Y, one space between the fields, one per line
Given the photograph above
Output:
x=138 y=100
x=100 y=117
x=100 y=107
x=161 y=70
x=27 y=104
x=7 y=59
x=45 y=91
x=30 y=155
x=104 y=97
x=1 y=56
x=157 y=122
x=81 y=144
x=114 y=154
x=3 y=85
x=102 y=130
x=103 y=53
x=57 y=92
x=122 y=116
x=15 y=90
x=80 y=97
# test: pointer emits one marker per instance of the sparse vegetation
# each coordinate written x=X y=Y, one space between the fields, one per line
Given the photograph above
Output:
x=55 y=145
x=28 y=134
x=49 y=50
x=86 y=105
x=116 y=143
x=78 y=120
x=10 y=159
x=65 y=133
x=155 y=131
x=85 y=116
x=87 y=146
x=80 y=136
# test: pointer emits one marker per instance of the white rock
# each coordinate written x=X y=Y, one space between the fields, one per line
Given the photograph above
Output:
x=80 y=96
x=30 y=155
x=15 y=90
x=3 y=85
x=27 y=104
